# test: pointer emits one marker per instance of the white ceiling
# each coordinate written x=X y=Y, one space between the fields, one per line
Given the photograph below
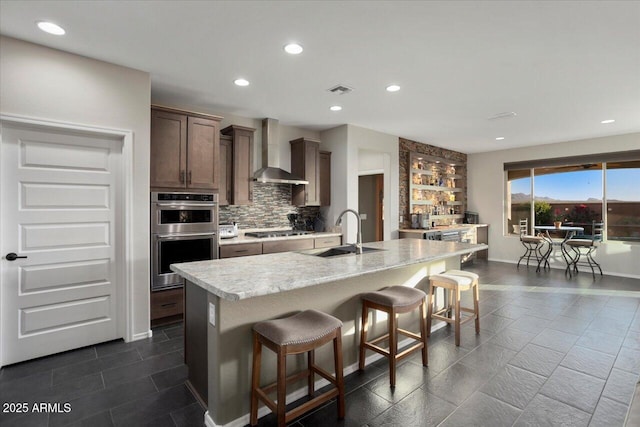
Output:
x=562 y=66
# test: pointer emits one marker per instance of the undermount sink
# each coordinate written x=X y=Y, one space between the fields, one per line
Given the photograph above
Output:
x=341 y=250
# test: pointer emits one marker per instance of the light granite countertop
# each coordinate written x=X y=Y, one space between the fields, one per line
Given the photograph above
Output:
x=246 y=277
x=241 y=238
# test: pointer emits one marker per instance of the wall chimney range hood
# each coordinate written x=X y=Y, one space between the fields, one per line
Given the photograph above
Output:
x=270 y=171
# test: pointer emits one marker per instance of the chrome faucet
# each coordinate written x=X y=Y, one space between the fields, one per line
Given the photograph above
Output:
x=339 y=221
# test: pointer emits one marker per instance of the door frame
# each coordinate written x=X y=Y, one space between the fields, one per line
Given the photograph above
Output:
x=125 y=295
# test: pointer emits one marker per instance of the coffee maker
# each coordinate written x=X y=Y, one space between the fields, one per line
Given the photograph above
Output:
x=420 y=220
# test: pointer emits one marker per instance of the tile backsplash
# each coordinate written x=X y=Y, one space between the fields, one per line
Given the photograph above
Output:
x=271 y=204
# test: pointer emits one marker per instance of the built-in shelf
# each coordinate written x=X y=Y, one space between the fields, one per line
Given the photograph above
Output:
x=455 y=216
x=435 y=188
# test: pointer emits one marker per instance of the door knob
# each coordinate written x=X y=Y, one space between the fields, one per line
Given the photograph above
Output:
x=11 y=256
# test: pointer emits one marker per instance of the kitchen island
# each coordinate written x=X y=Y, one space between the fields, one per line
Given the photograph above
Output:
x=225 y=298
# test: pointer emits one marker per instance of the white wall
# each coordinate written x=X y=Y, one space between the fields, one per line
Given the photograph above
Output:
x=346 y=142
x=370 y=162
x=486 y=195
x=44 y=83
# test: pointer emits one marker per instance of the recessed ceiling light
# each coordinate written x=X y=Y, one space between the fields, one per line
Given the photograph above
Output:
x=606 y=122
x=293 y=48
x=51 y=28
x=500 y=138
x=393 y=88
x=335 y=108
x=241 y=82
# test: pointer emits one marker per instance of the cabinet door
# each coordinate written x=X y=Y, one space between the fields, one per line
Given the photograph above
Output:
x=242 y=167
x=168 y=149
x=203 y=156
x=226 y=169
x=287 y=245
x=325 y=178
x=312 y=173
x=241 y=249
x=305 y=158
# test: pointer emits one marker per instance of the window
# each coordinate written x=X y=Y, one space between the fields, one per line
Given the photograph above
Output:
x=518 y=198
x=577 y=191
x=623 y=200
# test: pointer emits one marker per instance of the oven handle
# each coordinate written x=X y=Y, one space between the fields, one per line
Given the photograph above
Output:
x=179 y=205
x=168 y=236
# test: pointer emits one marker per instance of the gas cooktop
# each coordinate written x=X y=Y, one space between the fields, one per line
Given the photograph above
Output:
x=279 y=233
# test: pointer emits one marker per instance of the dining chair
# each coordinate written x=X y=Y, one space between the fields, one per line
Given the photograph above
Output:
x=579 y=250
x=532 y=244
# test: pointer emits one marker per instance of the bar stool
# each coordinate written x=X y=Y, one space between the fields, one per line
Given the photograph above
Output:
x=532 y=244
x=300 y=333
x=393 y=300
x=455 y=281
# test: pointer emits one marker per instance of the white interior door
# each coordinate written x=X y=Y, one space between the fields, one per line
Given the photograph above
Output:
x=60 y=206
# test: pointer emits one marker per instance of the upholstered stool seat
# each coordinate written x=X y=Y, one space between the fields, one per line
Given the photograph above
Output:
x=393 y=300
x=300 y=333
x=454 y=281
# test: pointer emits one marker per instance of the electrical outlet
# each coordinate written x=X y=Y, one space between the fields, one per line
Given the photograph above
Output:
x=212 y=314
x=363 y=216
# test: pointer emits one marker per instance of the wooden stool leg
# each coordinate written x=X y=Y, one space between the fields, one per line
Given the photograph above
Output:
x=363 y=333
x=337 y=356
x=255 y=379
x=281 y=392
x=393 y=346
x=311 y=365
x=429 y=308
x=423 y=333
x=476 y=306
x=456 y=301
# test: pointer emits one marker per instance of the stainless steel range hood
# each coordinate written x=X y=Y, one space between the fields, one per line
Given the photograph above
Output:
x=270 y=171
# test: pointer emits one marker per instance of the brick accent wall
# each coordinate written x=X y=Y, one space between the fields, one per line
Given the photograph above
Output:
x=271 y=204
x=406 y=146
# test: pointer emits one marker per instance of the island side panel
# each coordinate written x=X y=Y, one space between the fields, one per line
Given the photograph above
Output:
x=230 y=374
x=195 y=332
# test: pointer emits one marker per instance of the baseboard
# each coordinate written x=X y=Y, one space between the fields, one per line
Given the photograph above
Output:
x=142 y=335
x=562 y=267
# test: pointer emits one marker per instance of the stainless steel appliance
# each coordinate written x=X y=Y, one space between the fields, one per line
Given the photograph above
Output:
x=184 y=228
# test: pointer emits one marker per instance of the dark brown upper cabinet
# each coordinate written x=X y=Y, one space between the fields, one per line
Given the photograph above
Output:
x=305 y=163
x=325 y=178
x=239 y=165
x=185 y=149
x=226 y=170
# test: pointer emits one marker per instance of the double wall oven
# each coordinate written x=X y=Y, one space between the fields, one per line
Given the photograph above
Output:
x=184 y=228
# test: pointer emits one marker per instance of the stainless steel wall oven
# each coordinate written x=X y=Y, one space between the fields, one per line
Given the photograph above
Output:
x=184 y=228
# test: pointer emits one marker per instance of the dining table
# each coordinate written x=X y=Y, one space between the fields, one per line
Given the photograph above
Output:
x=569 y=231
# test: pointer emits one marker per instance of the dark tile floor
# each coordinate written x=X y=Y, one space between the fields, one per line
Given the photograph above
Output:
x=552 y=351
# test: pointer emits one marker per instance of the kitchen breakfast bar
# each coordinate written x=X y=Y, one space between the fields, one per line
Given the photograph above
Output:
x=224 y=298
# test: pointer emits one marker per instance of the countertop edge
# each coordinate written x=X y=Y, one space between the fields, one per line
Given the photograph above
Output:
x=236 y=296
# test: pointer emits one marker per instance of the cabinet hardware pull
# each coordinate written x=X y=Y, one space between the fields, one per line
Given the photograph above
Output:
x=182 y=204
x=189 y=178
x=181 y=177
x=241 y=250
x=171 y=304
x=181 y=235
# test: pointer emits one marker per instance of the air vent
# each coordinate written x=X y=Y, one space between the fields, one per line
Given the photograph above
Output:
x=505 y=115
x=340 y=89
